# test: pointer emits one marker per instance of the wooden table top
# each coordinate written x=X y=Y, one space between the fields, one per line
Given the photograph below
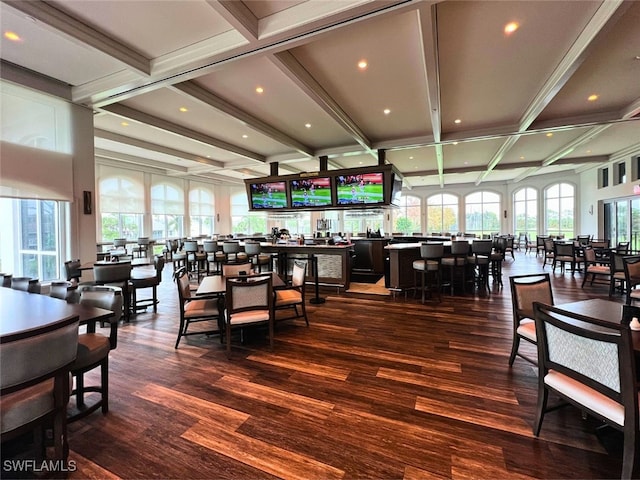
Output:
x=25 y=314
x=603 y=310
x=216 y=284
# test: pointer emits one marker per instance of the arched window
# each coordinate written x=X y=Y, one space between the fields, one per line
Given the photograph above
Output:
x=201 y=211
x=525 y=212
x=559 y=207
x=167 y=208
x=482 y=213
x=244 y=221
x=407 y=218
x=121 y=199
x=442 y=213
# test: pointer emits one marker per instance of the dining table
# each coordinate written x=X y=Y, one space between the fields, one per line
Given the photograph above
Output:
x=24 y=314
x=217 y=284
x=607 y=310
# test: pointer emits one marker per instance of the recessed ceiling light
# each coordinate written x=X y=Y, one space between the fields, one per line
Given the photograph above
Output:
x=386 y=111
x=521 y=157
x=549 y=134
x=588 y=151
x=362 y=64
x=593 y=97
x=307 y=125
x=208 y=156
x=259 y=90
x=245 y=136
x=410 y=158
x=455 y=143
x=13 y=36
x=457 y=121
x=183 y=109
x=124 y=124
x=511 y=27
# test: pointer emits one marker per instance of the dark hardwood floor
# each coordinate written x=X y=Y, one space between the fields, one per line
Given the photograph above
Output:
x=377 y=387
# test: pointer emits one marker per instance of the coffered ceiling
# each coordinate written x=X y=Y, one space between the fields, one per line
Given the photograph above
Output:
x=221 y=89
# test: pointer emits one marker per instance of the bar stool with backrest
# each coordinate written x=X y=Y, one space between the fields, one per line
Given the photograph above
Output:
x=146 y=278
x=34 y=388
x=255 y=256
x=26 y=284
x=116 y=275
x=195 y=258
x=142 y=250
x=497 y=258
x=119 y=246
x=457 y=262
x=481 y=259
x=94 y=348
x=429 y=266
x=233 y=252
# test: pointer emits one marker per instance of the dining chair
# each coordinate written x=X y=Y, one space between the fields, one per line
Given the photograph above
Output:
x=292 y=295
x=593 y=267
x=526 y=289
x=142 y=250
x=497 y=259
x=248 y=303
x=235 y=269
x=564 y=253
x=26 y=284
x=6 y=279
x=72 y=270
x=590 y=364
x=94 y=348
x=34 y=386
x=63 y=290
x=540 y=244
x=616 y=272
x=548 y=252
x=146 y=278
x=197 y=310
x=631 y=265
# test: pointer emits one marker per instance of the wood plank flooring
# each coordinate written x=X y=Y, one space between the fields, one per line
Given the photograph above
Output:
x=375 y=388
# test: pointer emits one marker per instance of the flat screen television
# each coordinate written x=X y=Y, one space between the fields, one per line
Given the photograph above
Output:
x=310 y=192
x=268 y=195
x=360 y=189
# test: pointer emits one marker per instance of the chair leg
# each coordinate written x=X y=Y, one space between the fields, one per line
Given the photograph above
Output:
x=629 y=451
x=543 y=396
x=514 y=349
x=80 y=390
x=181 y=331
x=155 y=299
x=104 y=372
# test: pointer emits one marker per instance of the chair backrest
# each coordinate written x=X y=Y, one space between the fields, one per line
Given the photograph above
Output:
x=230 y=247
x=526 y=289
x=6 y=279
x=459 y=247
x=631 y=267
x=616 y=263
x=584 y=239
x=184 y=289
x=72 y=269
x=114 y=273
x=564 y=249
x=549 y=245
x=623 y=247
x=589 y=255
x=600 y=243
x=540 y=239
x=172 y=245
x=598 y=354
x=29 y=360
x=252 y=248
x=298 y=274
x=242 y=296
x=234 y=269
x=26 y=284
x=62 y=290
x=158 y=263
x=143 y=241
x=191 y=246
x=482 y=247
x=120 y=242
x=210 y=246
x=432 y=250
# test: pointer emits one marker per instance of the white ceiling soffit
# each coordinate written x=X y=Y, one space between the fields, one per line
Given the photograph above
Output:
x=449 y=96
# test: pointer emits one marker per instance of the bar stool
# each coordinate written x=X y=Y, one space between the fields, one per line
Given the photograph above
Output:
x=481 y=258
x=195 y=258
x=143 y=247
x=497 y=257
x=233 y=253
x=457 y=262
x=255 y=255
x=430 y=263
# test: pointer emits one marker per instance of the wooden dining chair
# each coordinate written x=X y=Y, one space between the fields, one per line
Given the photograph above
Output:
x=292 y=295
x=590 y=364
x=197 y=309
x=248 y=303
x=526 y=289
